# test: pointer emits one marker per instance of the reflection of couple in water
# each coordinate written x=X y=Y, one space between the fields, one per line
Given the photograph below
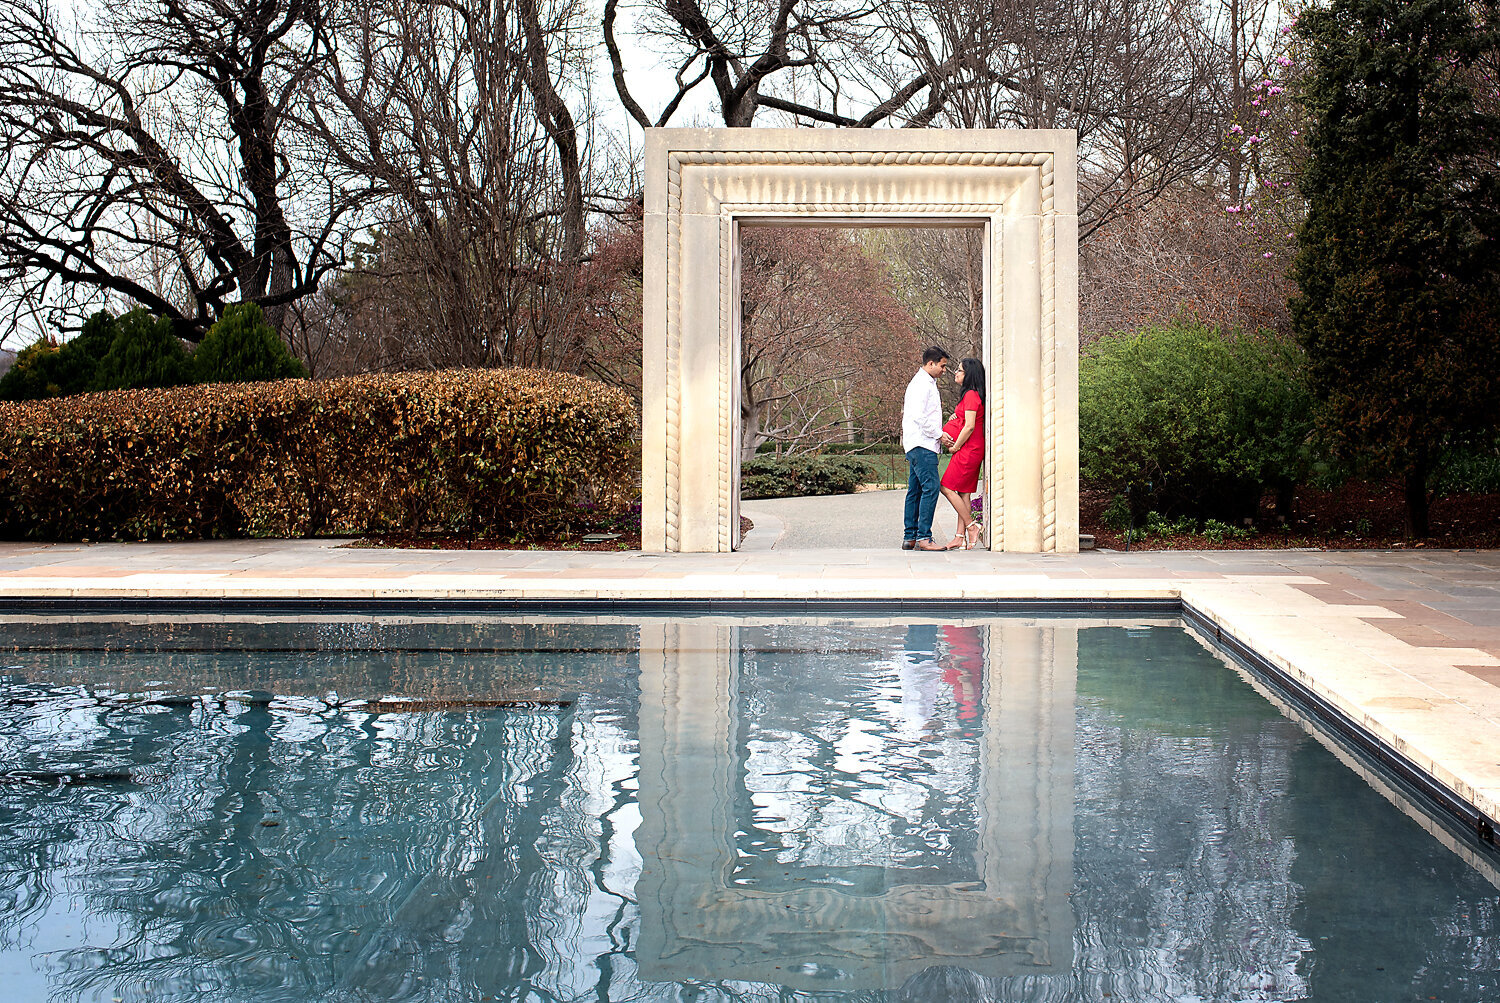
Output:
x=923 y=433
x=958 y=652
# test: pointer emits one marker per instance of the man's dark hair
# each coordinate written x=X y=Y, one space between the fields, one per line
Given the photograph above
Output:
x=933 y=354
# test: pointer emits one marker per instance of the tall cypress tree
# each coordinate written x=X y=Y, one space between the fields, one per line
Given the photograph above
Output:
x=1398 y=269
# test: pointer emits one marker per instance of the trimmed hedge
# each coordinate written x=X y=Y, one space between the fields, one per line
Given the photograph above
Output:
x=796 y=476
x=1185 y=421
x=475 y=451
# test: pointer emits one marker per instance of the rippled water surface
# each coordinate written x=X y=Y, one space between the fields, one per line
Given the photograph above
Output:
x=701 y=809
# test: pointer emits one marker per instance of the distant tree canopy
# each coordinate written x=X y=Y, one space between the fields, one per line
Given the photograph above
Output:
x=1398 y=269
x=403 y=184
x=827 y=348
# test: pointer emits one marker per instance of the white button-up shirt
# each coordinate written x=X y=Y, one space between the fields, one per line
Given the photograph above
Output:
x=921 y=414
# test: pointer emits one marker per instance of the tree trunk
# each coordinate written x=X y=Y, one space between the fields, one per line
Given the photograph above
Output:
x=557 y=120
x=751 y=417
x=1416 y=501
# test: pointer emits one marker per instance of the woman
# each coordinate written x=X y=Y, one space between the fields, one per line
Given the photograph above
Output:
x=964 y=435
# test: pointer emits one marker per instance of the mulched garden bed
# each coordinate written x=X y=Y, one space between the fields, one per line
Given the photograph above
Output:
x=420 y=541
x=621 y=539
x=1357 y=516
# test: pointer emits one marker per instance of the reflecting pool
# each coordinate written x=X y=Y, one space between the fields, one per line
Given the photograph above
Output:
x=704 y=808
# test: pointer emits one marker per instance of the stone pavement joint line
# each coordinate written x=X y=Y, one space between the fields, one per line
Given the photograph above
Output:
x=1404 y=643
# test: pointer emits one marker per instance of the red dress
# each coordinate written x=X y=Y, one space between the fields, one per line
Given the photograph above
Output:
x=962 y=474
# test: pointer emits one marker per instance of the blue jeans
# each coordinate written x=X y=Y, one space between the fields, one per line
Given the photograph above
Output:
x=921 y=492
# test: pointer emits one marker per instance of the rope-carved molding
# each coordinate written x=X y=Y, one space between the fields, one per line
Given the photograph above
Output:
x=726 y=375
x=861 y=208
x=861 y=158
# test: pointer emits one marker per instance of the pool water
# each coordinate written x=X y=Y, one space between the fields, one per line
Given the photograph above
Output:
x=701 y=809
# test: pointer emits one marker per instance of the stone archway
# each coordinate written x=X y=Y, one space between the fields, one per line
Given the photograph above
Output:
x=701 y=184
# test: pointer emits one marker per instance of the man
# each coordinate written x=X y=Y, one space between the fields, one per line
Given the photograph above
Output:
x=921 y=430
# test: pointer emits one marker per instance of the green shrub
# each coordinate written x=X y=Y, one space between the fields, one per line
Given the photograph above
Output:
x=143 y=353
x=1472 y=467
x=1159 y=525
x=243 y=348
x=1218 y=531
x=48 y=370
x=31 y=377
x=79 y=359
x=1165 y=527
x=1185 y=421
x=795 y=476
x=481 y=452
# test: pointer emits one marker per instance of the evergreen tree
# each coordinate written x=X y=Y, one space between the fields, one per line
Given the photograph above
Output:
x=30 y=377
x=77 y=366
x=243 y=348
x=47 y=370
x=144 y=353
x=1397 y=264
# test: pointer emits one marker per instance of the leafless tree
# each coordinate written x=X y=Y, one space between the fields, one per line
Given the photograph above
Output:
x=938 y=275
x=819 y=334
x=452 y=111
x=147 y=155
x=1183 y=257
x=1141 y=81
x=1239 y=44
x=1123 y=73
x=738 y=47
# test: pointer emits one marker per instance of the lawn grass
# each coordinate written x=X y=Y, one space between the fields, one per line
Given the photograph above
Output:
x=890 y=468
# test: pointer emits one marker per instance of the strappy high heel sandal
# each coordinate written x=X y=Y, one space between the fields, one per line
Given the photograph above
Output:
x=972 y=535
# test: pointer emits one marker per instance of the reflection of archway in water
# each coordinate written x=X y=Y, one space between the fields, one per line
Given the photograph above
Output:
x=821 y=880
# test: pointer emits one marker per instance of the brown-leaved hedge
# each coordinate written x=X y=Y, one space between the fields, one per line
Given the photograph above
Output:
x=471 y=451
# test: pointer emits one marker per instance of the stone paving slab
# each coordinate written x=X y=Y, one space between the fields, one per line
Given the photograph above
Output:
x=1405 y=643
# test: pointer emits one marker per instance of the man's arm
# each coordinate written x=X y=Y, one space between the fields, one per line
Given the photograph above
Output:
x=914 y=402
x=932 y=414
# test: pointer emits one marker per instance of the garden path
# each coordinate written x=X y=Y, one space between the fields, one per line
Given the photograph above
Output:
x=869 y=520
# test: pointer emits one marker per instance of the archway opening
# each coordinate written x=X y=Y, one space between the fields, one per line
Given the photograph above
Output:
x=832 y=322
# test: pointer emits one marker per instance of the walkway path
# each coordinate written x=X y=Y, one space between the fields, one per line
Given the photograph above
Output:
x=1406 y=644
x=870 y=520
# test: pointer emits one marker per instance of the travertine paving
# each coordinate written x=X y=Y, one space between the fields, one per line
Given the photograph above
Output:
x=1407 y=643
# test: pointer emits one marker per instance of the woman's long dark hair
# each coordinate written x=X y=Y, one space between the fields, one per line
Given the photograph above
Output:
x=973 y=378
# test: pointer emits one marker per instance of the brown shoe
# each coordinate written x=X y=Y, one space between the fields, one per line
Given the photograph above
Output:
x=929 y=545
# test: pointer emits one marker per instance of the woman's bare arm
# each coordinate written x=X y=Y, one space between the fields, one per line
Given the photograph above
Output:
x=963 y=436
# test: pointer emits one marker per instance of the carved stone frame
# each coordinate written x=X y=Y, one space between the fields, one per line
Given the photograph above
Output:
x=703 y=184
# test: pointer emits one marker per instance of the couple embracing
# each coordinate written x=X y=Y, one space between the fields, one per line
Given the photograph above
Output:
x=923 y=434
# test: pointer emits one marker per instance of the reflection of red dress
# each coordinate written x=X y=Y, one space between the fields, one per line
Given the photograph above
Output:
x=963 y=669
x=962 y=474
